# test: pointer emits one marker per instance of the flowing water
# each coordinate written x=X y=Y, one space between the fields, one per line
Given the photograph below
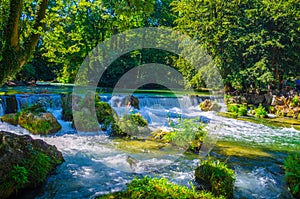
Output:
x=95 y=164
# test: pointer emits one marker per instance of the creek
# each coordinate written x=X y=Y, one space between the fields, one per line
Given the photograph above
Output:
x=96 y=164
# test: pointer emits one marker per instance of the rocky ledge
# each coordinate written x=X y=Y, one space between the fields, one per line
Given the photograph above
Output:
x=25 y=163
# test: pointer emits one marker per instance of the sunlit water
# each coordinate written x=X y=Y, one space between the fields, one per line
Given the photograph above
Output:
x=94 y=165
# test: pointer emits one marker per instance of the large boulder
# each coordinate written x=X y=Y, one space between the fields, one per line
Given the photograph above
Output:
x=25 y=163
x=129 y=100
x=43 y=123
x=216 y=177
x=133 y=101
x=208 y=105
x=36 y=123
x=66 y=100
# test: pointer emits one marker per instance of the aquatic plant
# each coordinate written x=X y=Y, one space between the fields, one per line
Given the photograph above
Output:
x=150 y=188
x=292 y=173
x=216 y=177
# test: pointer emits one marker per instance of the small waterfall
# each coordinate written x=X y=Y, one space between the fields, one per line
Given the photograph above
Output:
x=2 y=107
x=170 y=102
x=49 y=101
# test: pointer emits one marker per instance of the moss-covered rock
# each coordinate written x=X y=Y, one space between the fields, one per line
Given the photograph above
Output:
x=150 y=188
x=66 y=100
x=187 y=135
x=11 y=118
x=292 y=173
x=208 y=105
x=133 y=125
x=84 y=121
x=24 y=163
x=216 y=177
x=36 y=123
x=43 y=123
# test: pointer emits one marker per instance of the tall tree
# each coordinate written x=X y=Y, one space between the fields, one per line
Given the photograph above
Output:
x=19 y=38
x=253 y=42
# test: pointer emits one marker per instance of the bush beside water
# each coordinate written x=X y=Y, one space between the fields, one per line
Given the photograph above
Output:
x=292 y=173
x=216 y=177
x=149 y=188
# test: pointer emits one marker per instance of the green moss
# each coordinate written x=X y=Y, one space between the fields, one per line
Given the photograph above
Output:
x=150 y=188
x=39 y=124
x=241 y=150
x=11 y=118
x=292 y=173
x=137 y=119
x=32 y=170
x=105 y=114
x=188 y=134
x=19 y=176
x=84 y=121
x=216 y=177
x=271 y=122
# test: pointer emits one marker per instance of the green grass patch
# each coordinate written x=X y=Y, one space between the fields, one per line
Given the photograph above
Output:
x=150 y=188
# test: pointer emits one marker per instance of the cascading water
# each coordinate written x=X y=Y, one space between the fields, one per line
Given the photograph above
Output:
x=97 y=165
x=2 y=107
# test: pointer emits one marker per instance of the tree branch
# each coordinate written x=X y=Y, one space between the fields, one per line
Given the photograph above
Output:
x=12 y=32
x=34 y=37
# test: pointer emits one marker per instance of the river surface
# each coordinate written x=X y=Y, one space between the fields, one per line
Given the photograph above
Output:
x=96 y=164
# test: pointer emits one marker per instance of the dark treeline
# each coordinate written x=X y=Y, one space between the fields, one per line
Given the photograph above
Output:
x=254 y=43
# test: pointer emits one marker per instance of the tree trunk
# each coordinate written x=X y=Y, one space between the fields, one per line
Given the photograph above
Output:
x=14 y=55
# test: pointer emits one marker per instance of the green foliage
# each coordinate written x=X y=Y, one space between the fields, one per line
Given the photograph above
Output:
x=217 y=177
x=295 y=101
x=149 y=188
x=292 y=173
x=132 y=124
x=188 y=133
x=260 y=112
x=105 y=114
x=19 y=175
x=137 y=119
x=238 y=109
x=253 y=43
x=40 y=166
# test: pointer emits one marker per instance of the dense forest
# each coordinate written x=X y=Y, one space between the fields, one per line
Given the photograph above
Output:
x=254 y=43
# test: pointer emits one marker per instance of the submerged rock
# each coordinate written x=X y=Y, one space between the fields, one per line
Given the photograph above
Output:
x=24 y=163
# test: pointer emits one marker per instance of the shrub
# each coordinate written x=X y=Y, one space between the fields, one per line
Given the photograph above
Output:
x=239 y=109
x=295 y=101
x=260 y=112
x=292 y=173
x=216 y=177
x=188 y=133
x=242 y=110
x=150 y=188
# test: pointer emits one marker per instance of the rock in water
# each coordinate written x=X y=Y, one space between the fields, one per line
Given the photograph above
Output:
x=208 y=105
x=132 y=101
x=24 y=163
